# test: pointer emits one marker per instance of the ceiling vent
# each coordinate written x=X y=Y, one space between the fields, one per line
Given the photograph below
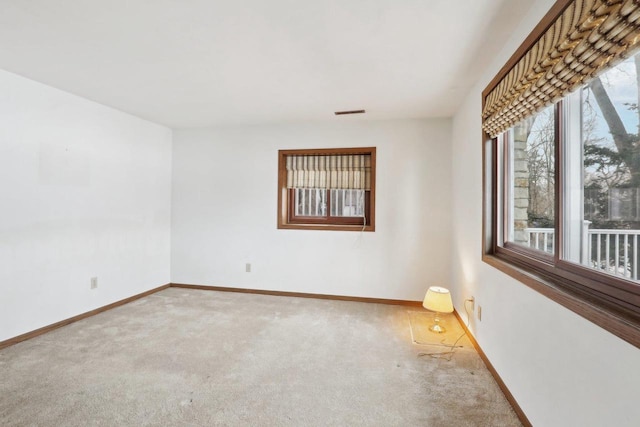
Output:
x=341 y=113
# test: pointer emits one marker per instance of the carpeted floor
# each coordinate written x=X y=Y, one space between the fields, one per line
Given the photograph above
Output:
x=200 y=358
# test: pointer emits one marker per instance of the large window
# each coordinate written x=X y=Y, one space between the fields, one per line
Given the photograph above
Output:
x=327 y=189
x=562 y=163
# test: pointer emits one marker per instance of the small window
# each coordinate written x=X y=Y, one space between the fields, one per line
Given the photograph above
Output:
x=327 y=189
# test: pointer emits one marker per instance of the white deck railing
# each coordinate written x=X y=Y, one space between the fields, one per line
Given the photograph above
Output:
x=541 y=238
x=613 y=251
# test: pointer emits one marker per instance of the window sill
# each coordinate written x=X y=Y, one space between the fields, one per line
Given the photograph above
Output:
x=613 y=319
x=325 y=227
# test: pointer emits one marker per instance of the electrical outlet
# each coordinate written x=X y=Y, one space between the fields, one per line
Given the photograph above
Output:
x=480 y=313
x=94 y=282
x=248 y=267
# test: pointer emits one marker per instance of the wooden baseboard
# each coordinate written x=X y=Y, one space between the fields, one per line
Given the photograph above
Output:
x=49 y=328
x=514 y=404
x=299 y=294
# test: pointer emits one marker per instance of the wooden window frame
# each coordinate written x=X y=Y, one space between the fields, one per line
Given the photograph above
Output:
x=610 y=302
x=286 y=220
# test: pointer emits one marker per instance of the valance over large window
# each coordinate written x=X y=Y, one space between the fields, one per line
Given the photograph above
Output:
x=587 y=38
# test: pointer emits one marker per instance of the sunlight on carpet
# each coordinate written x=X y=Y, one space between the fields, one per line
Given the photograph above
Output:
x=419 y=322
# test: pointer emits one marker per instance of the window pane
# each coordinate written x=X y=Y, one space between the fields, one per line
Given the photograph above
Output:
x=608 y=188
x=347 y=203
x=531 y=182
x=310 y=202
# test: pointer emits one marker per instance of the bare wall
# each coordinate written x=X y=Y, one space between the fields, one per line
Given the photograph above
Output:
x=85 y=192
x=562 y=369
x=224 y=209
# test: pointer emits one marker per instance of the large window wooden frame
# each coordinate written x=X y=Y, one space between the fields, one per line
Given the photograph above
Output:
x=610 y=302
x=286 y=216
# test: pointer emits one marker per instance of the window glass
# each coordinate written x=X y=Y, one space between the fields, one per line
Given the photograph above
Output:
x=310 y=202
x=608 y=188
x=347 y=203
x=531 y=182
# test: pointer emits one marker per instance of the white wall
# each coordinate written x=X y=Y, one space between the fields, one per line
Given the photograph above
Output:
x=221 y=223
x=562 y=369
x=85 y=191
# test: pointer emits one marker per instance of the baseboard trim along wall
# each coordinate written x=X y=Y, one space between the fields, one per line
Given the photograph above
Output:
x=514 y=404
x=53 y=326
x=299 y=294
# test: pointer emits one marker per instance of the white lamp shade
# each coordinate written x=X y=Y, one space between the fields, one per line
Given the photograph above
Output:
x=438 y=299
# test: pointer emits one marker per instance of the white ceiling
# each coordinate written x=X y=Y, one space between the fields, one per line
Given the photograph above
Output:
x=194 y=63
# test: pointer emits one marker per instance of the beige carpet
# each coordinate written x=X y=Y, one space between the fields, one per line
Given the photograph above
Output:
x=200 y=358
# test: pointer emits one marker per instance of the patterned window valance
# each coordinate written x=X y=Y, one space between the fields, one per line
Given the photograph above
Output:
x=348 y=171
x=588 y=37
